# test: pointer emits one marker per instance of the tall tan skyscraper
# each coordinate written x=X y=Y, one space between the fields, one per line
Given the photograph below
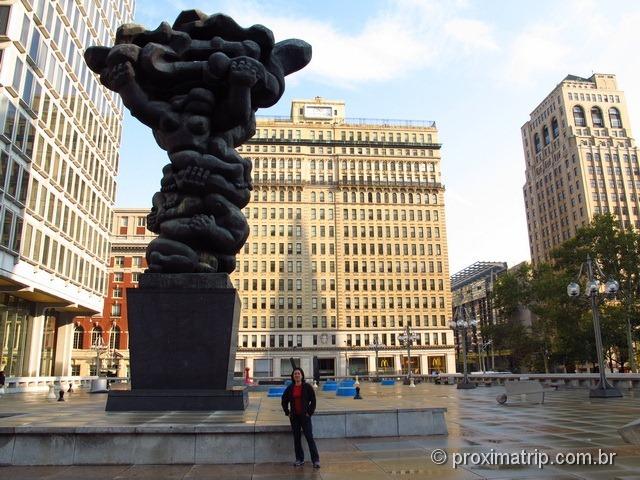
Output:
x=348 y=245
x=59 y=142
x=581 y=160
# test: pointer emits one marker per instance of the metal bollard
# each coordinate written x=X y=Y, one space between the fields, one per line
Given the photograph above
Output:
x=52 y=392
x=357 y=397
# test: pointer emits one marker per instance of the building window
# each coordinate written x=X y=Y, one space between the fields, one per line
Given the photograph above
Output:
x=4 y=19
x=115 y=310
x=118 y=261
x=596 y=117
x=78 y=335
x=554 y=127
x=536 y=142
x=262 y=367
x=614 y=118
x=545 y=135
x=578 y=116
x=96 y=336
x=114 y=338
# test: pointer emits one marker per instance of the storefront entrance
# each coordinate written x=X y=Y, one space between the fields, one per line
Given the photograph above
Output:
x=438 y=364
x=13 y=338
x=386 y=365
x=326 y=367
x=358 y=366
x=415 y=364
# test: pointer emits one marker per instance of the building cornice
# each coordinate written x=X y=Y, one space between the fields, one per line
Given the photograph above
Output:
x=342 y=143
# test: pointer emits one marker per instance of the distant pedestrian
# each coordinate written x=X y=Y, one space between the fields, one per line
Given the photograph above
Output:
x=2 y=380
x=299 y=404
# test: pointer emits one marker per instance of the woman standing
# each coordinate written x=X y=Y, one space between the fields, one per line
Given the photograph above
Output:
x=299 y=403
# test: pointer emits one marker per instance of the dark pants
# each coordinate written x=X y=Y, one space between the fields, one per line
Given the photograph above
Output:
x=303 y=422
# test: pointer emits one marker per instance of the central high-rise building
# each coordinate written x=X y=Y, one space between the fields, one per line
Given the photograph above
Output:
x=59 y=141
x=581 y=160
x=347 y=248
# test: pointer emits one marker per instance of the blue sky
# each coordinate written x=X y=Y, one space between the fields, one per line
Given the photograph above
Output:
x=476 y=67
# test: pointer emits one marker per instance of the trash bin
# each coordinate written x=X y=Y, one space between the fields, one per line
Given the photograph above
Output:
x=99 y=385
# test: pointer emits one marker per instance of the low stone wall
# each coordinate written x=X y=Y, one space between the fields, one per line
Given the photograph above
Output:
x=628 y=381
x=41 y=384
x=202 y=444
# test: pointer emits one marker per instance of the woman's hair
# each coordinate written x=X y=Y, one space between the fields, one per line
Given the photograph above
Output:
x=297 y=369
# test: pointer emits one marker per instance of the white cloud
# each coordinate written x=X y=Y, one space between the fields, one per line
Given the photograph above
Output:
x=536 y=52
x=510 y=61
x=576 y=37
x=471 y=34
x=405 y=37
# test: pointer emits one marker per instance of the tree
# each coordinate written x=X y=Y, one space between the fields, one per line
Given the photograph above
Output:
x=512 y=334
x=560 y=330
x=616 y=251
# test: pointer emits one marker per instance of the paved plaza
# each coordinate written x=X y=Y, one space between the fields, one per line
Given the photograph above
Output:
x=568 y=423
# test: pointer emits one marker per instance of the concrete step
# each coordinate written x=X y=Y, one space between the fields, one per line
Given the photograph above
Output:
x=201 y=444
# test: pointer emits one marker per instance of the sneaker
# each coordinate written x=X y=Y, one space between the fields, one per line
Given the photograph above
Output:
x=298 y=463
x=316 y=464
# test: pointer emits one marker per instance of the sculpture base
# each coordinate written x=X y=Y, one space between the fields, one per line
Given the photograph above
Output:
x=183 y=338
x=235 y=398
x=609 y=392
x=466 y=386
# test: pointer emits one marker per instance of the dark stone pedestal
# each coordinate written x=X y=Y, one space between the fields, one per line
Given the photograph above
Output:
x=166 y=400
x=607 y=392
x=466 y=386
x=183 y=332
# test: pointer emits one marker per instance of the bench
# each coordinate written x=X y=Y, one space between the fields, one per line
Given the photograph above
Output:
x=347 y=383
x=330 y=387
x=445 y=380
x=523 y=387
x=482 y=381
x=346 y=391
x=276 y=391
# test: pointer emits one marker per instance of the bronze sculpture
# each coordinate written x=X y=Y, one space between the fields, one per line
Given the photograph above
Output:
x=197 y=85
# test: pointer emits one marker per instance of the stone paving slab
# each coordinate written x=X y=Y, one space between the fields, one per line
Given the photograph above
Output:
x=568 y=422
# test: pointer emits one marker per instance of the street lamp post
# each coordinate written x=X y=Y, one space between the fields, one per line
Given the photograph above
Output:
x=408 y=337
x=603 y=389
x=376 y=347
x=346 y=360
x=483 y=358
x=99 y=347
x=463 y=325
x=632 y=354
